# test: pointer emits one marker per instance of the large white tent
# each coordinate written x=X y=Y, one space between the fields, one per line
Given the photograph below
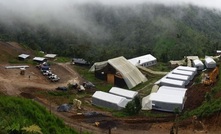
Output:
x=123 y=92
x=108 y=100
x=198 y=64
x=210 y=63
x=165 y=99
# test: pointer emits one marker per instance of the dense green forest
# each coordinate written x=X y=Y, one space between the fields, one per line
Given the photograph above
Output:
x=18 y=114
x=167 y=32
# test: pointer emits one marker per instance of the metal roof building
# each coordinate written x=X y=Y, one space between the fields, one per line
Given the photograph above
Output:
x=182 y=72
x=145 y=60
x=51 y=56
x=39 y=59
x=123 y=92
x=23 y=56
x=108 y=100
x=186 y=68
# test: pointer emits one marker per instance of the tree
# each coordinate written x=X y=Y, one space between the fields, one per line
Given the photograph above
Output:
x=134 y=106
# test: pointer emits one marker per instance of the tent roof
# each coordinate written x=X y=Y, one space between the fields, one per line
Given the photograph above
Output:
x=173 y=82
x=185 y=68
x=98 y=66
x=50 y=55
x=178 y=76
x=209 y=60
x=172 y=91
x=24 y=56
x=132 y=76
x=166 y=98
x=123 y=92
x=198 y=62
x=38 y=58
x=120 y=101
x=182 y=72
x=142 y=59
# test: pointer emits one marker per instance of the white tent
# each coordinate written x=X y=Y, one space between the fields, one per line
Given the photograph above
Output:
x=145 y=60
x=182 y=72
x=198 y=64
x=186 y=68
x=210 y=63
x=108 y=100
x=172 y=91
x=172 y=82
x=123 y=92
x=52 y=56
x=166 y=102
x=179 y=77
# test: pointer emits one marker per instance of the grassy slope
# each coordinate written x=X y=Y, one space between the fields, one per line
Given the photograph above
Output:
x=18 y=112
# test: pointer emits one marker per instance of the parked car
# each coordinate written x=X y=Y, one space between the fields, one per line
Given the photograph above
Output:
x=64 y=108
x=62 y=88
x=88 y=85
x=55 y=79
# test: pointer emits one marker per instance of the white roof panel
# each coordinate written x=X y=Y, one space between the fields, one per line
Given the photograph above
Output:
x=172 y=91
x=198 y=62
x=109 y=97
x=24 y=56
x=38 y=58
x=209 y=60
x=142 y=59
x=50 y=55
x=186 y=68
x=182 y=72
x=123 y=92
x=178 y=77
x=166 y=98
x=172 y=82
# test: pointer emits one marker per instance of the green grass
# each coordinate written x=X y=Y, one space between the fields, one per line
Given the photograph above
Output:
x=63 y=59
x=89 y=76
x=18 y=112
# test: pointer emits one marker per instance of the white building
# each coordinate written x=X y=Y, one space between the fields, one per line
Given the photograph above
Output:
x=123 y=92
x=198 y=64
x=145 y=60
x=108 y=100
x=210 y=63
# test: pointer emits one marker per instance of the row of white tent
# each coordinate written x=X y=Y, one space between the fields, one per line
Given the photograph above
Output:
x=178 y=77
x=172 y=91
x=209 y=63
x=117 y=98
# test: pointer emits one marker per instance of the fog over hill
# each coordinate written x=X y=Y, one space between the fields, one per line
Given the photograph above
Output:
x=101 y=29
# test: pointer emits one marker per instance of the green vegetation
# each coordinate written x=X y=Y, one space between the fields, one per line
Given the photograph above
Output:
x=20 y=115
x=169 y=33
x=63 y=59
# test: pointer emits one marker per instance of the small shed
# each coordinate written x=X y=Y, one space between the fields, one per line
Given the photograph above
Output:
x=145 y=60
x=198 y=64
x=23 y=56
x=179 y=77
x=123 y=92
x=109 y=100
x=210 y=63
x=39 y=59
x=172 y=82
x=50 y=56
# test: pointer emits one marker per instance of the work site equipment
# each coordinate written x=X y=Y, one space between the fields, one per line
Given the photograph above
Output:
x=77 y=103
x=211 y=78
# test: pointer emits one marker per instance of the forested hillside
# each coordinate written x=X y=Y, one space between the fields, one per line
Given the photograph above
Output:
x=167 y=32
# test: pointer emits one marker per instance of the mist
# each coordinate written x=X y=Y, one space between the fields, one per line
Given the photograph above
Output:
x=73 y=15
